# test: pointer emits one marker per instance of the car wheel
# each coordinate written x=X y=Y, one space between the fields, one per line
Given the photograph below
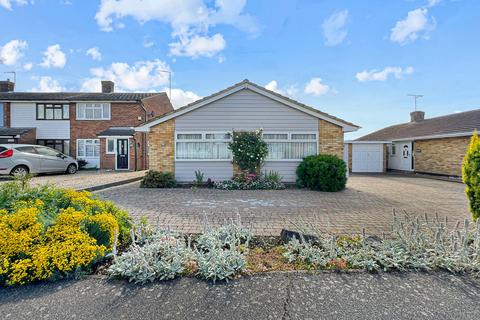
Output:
x=71 y=169
x=19 y=171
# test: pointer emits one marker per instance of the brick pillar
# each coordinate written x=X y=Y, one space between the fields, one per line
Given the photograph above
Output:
x=330 y=138
x=161 y=140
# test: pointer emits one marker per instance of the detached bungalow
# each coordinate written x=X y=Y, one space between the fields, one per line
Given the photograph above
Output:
x=196 y=136
x=435 y=146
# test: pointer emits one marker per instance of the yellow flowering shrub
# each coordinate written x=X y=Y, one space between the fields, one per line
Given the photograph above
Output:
x=59 y=234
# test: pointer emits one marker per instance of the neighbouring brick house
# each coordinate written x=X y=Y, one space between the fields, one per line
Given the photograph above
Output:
x=435 y=145
x=195 y=137
x=96 y=127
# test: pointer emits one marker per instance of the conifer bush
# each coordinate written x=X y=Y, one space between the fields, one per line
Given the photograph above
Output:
x=471 y=175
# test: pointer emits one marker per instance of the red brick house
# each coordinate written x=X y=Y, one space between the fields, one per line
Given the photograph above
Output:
x=96 y=127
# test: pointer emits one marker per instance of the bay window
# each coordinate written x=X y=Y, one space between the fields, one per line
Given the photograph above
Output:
x=202 y=146
x=290 y=146
x=93 y=111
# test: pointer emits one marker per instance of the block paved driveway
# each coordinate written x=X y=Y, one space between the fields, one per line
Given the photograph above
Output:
x=367 y=203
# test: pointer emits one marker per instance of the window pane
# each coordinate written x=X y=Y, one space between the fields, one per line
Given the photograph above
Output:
x=81 y=111
x=106 y=111
x=66 y=111
x=189 y=136
x=275 y=136
x=81 y=148
x=66 y=147
x=47 y=151
x=49 y=113
x=290 y=150
x=97 y=149
x=302 y=136
x=110 y=145
x=41 y=111
x=1 y=114
x=26 y=149
x=217 y=136
x=57 y=113
x=89 y=150
x=202 y=150
x=97 y=111
x=88 y=112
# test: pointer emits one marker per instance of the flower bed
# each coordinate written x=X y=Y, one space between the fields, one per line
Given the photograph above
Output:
x=47 y=233
x=251 y=181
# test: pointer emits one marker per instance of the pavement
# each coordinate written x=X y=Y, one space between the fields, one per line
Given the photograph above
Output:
x=367 y=202
x=90 y=180
x=270 y=296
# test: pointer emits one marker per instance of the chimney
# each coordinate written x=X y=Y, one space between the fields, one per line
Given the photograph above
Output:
x=108 y=86
x=7 y=86
x=417 y=116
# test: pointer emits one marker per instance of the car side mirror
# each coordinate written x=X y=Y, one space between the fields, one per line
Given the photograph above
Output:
x=61 y=156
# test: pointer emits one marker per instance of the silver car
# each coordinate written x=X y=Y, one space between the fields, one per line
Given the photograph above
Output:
x=20 y=159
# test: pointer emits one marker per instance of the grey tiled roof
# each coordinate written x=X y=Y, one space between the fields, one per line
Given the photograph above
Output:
x=75 y=96
x=449 y=124
x=13 y=131
x=118 y=131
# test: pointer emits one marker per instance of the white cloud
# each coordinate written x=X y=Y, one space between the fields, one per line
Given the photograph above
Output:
x=190 y=21
x=48 y=84
x=382 y=75
x=197 y=46
x=28 y=66
x=289 y=91
x=417 y=23
x=7 y=4
x=316 y=87
x=334 y=29
x=433 y=3
x=180 y=98
x=12 y=51
x=94 y=53
x=141 y=76
x=54 y=57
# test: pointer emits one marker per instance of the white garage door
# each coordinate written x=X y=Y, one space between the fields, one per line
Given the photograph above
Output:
x=367 y=157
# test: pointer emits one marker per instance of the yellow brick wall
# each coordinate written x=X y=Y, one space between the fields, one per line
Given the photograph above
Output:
x=330 y=138
x=441 y=156
x=161 y=142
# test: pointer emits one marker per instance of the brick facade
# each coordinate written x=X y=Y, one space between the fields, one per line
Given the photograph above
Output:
x=330 y=138
x=121 y=115
x=6 y=114
x=161 y=143
x=29 y=137
x=440 y=156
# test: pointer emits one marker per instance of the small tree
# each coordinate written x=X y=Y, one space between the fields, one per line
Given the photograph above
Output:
x=248 y=150
x=471 y=175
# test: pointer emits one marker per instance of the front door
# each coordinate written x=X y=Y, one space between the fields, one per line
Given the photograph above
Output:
x=122 y=154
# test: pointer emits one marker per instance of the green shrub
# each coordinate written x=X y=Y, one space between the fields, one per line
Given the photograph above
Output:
x=157 y=179
x=322 y=173
x=248 y=150
x=471 y=175
x=251 y=181
x=199 y=175
x=273 y=176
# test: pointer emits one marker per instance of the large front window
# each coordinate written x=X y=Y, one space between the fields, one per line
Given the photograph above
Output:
x=52 y=111
x=290 y=146
x=61 y=145
x=214 y=145
x=202 y=146
x=93 y=111
x=88 y=148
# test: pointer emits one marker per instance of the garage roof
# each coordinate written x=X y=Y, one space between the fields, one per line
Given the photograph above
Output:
x=457 y=124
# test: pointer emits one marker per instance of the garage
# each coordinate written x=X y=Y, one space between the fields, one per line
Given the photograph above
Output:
x=366 y=156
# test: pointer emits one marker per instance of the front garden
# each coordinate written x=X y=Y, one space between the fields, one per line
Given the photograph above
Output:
x=48 y=234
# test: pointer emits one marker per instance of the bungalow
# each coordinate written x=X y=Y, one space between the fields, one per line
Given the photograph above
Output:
x=434 y=146
x=196 y=136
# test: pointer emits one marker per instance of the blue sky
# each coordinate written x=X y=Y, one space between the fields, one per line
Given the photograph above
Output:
x=357 y=60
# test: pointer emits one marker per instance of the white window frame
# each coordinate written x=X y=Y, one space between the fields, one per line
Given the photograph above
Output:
x=85 y=104
x=85 y=149
x=203 y=139
x=289 y=139
x=114 y=146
